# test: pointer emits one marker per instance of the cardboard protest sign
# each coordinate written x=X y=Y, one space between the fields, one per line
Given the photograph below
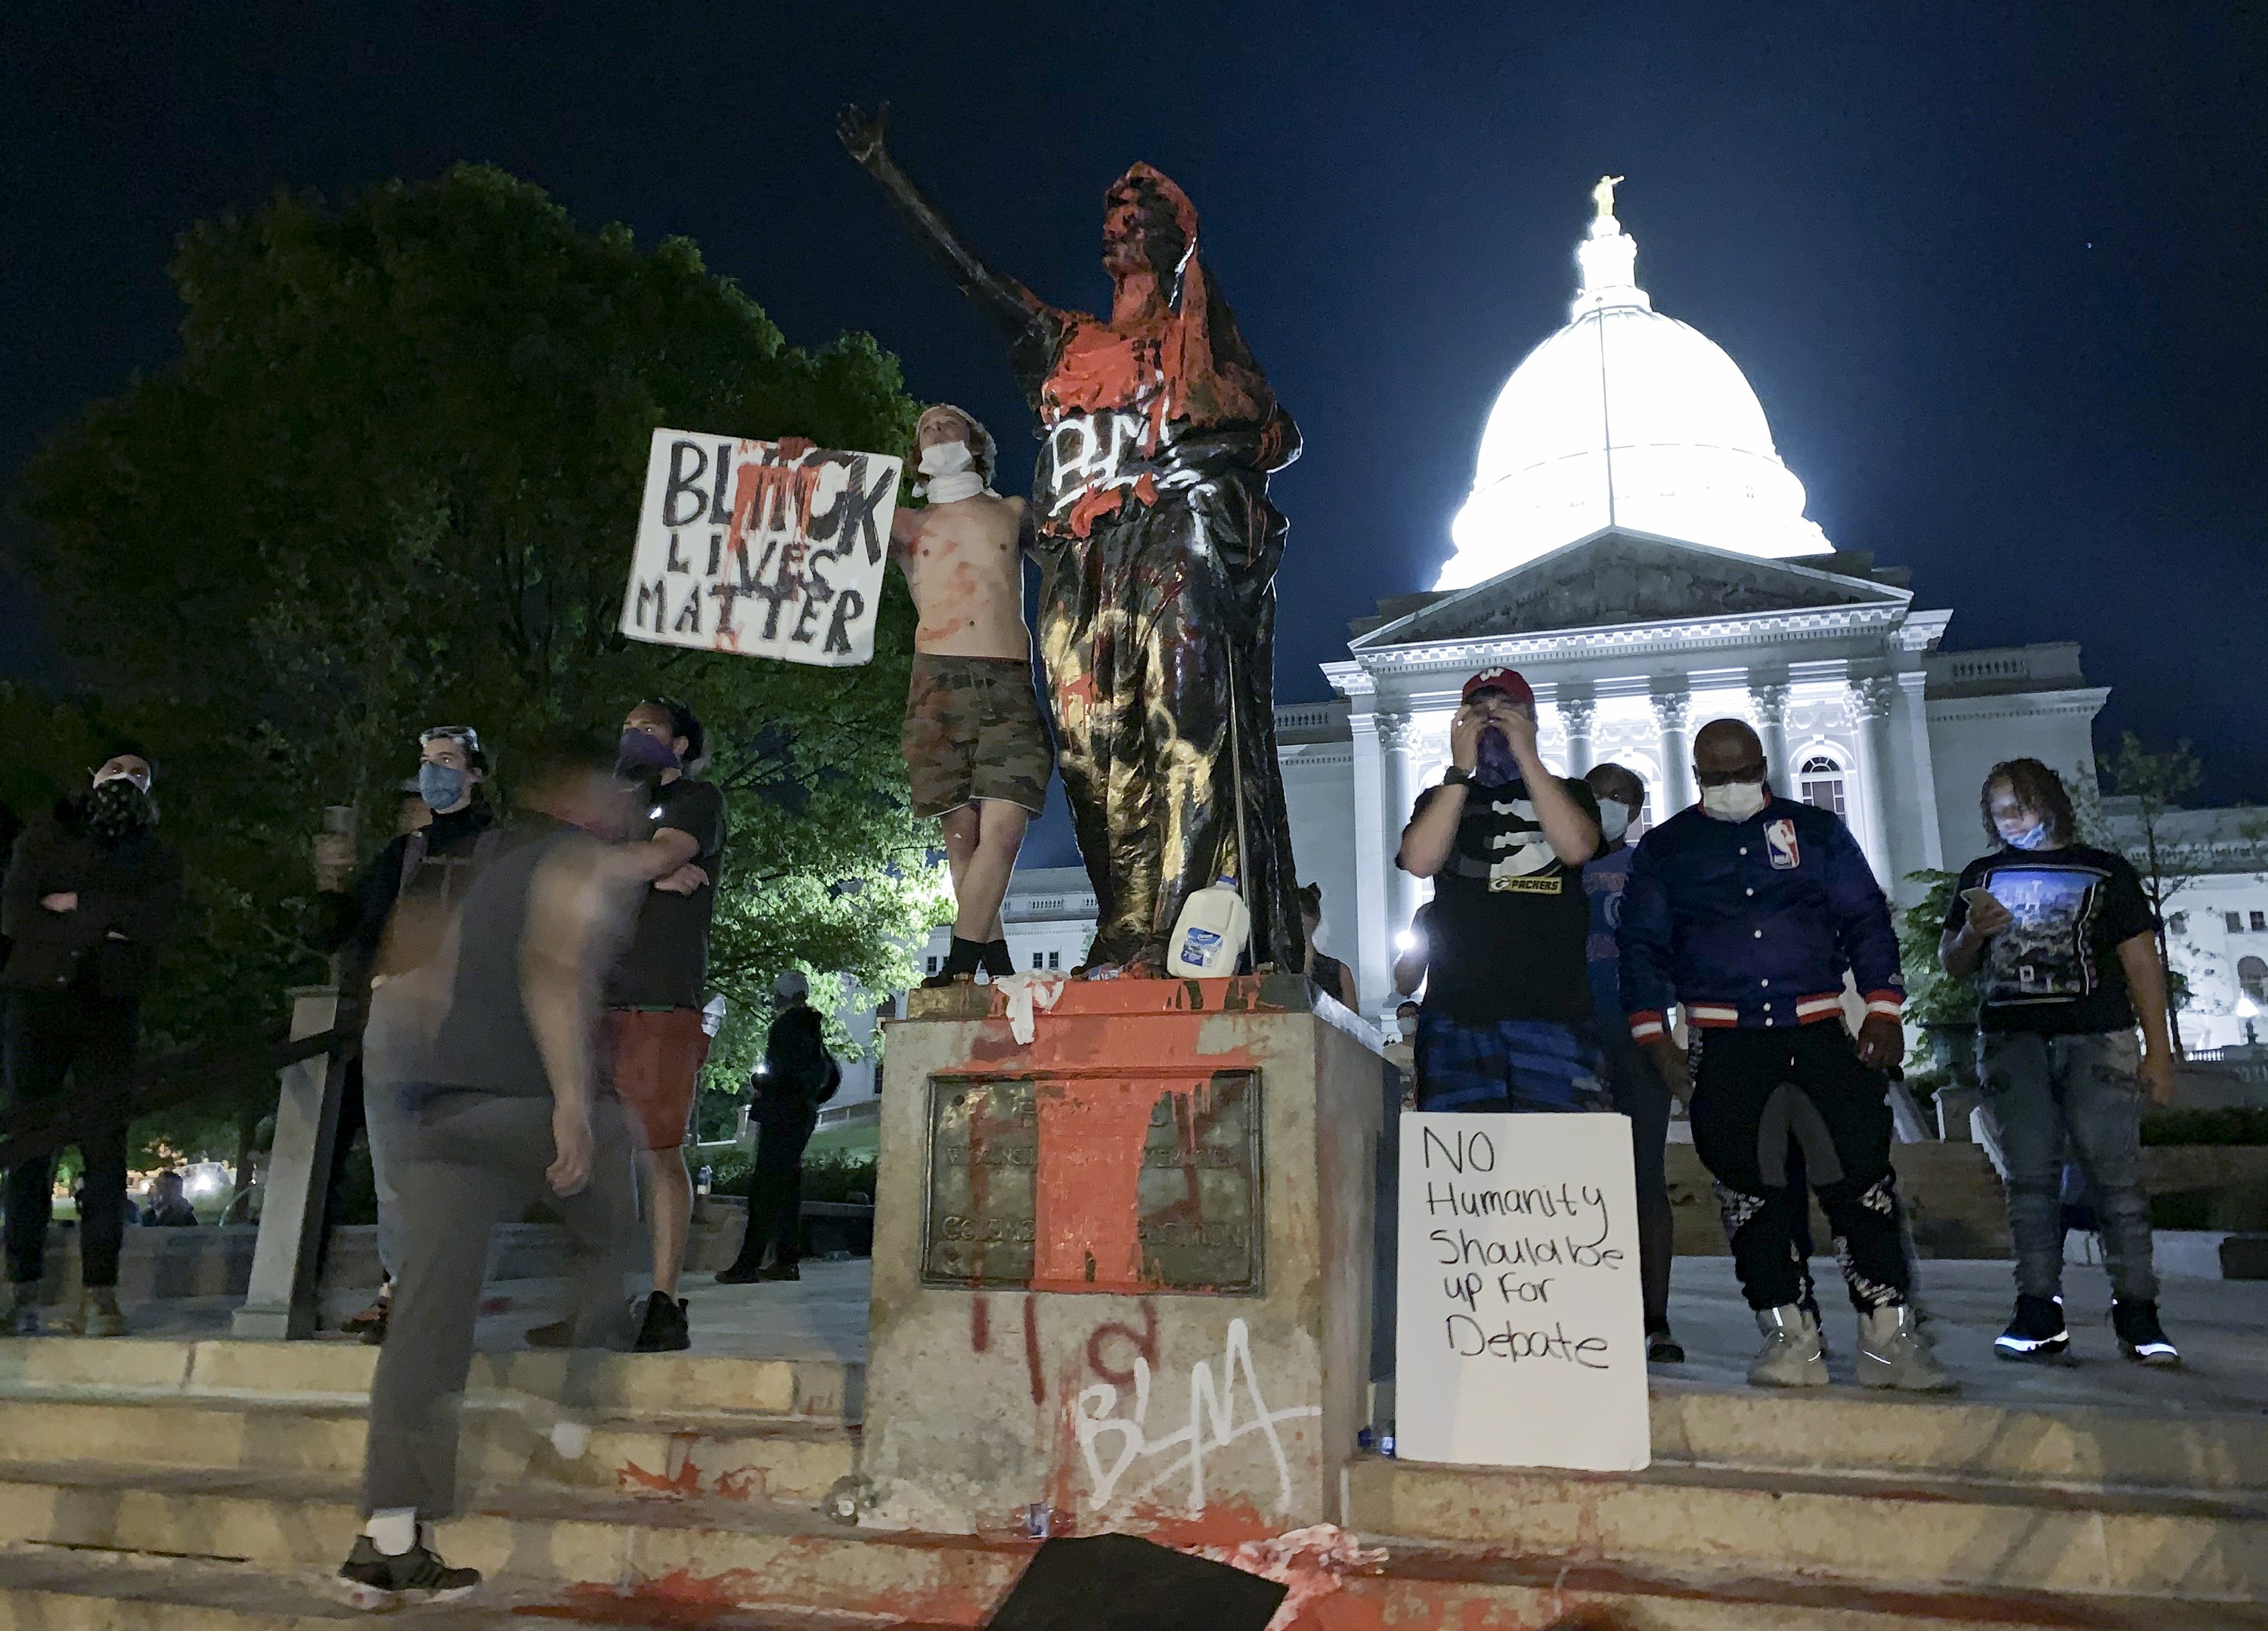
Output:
x=1520 y=1334
x=739 y=550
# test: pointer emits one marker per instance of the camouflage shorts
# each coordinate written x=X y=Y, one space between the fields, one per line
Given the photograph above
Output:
x=973 y=731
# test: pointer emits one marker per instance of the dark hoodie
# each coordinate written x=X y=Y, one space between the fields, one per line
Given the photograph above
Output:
x=128 y=890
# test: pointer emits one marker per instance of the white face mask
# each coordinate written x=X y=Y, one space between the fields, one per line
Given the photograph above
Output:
x=949 y=473
x=1735 y=801
x=1615 y=818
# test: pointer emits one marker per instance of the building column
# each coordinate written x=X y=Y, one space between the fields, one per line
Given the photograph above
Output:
x=1397 y=784
x=1669 y=713
x=1870 y=709
x=1925 y=767
x=1373 y=958
x=1771 y=703
x=1576 y=713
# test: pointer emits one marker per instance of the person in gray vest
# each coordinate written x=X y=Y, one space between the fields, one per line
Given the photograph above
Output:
x=387 y=921
x=494 y=1039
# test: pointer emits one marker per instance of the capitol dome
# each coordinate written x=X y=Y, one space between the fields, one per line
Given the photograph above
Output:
x=1625 y=418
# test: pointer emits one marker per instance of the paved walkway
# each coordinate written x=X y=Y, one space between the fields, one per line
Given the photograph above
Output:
x=2219 y=1325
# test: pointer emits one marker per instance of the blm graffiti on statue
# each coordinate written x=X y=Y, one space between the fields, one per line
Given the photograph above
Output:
x=741 y=550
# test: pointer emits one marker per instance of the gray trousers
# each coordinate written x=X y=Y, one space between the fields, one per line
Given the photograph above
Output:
x=2053 y=1093
x=462 y=1164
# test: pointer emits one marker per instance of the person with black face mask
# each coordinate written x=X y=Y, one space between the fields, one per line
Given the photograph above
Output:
x=388 y=920
x=1503 y=841
x=88 y=903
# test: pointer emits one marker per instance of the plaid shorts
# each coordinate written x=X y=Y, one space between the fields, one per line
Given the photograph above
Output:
x=1506 y=1064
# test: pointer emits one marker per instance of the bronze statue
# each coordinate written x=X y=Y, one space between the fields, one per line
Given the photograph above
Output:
x=1158 y=550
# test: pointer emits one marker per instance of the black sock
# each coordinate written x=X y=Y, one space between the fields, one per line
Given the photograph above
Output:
x=965 y=957
x=998 y=963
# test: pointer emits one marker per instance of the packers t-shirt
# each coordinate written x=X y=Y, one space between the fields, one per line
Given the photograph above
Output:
x=2055 y=969
x=1505 y=937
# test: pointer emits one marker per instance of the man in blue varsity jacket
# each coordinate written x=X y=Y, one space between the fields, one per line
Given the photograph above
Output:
x=1747 y=909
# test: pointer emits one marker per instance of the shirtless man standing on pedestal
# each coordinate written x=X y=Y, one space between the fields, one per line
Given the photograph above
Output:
x=977 y=748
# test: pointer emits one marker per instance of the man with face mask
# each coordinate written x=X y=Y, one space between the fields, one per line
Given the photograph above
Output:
x=655 y=1042
x=1638 y=1090
x=385 y=922
x=1747 y=909
x=90 y=901
x=977 y=748
x=2061 y=942
x=1503 y=841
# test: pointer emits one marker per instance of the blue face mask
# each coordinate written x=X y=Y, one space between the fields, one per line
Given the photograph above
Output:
x=643 y=757
x=440 y=786
x=2032 y=838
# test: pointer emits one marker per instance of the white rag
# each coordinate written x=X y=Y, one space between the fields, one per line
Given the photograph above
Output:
x=1026 y=993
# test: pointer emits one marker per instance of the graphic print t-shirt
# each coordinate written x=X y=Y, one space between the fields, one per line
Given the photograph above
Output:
x=668 y=961
x=1505 y=935
x=2056 y=970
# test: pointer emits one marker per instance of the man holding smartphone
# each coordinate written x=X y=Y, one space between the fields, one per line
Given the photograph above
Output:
x=2063 y=946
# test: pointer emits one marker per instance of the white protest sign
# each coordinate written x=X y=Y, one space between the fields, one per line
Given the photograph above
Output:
x=740 y=550
x=1521 y=1337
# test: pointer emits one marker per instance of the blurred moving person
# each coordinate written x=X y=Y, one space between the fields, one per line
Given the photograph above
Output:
x=169 y=1203
x=505 y=1109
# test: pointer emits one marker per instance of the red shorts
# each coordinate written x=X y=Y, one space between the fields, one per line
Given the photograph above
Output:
x=654 y=1058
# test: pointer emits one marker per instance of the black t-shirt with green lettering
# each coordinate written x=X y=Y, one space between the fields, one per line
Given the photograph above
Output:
x=2055 y=970
x=1504 y=937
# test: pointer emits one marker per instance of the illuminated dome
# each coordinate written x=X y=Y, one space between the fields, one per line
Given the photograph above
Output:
x=1624 y=418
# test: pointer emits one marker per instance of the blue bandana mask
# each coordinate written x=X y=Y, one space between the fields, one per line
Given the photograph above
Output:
x=1493 y=764
x=440 y=786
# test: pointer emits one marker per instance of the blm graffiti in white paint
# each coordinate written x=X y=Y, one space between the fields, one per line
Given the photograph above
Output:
x=741 y=550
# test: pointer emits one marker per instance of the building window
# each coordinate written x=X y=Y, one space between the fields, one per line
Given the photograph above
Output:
x=2260 y=922
x=1055 y=960
x=932 y=965
x=1036 y=959
x=2252 y=978
x=2234 y=922
x=1820 y=782
x=2178 y=923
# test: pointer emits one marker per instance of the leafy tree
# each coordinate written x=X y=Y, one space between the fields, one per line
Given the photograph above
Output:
x=1933 y=997
x=391 y=481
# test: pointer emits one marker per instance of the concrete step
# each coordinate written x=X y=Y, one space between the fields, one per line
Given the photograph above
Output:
x=507 y=1440
x=661 y=1383
x=52 y=1590
x=662 y=1563
x=1851 y=1527
x=2072 y=1448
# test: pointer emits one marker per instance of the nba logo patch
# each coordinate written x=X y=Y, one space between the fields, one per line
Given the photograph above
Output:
x=1780 y=837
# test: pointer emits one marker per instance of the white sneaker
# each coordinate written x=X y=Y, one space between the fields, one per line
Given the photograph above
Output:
x=1891 y=1353
x=1790 y=1356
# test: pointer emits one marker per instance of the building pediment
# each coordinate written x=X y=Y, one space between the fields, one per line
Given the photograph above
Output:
x=1618 y=579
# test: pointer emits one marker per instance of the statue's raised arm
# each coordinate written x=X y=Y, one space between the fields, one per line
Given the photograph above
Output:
x=1007 y=302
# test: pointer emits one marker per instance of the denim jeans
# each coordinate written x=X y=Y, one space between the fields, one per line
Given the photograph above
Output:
x=2051 y=1094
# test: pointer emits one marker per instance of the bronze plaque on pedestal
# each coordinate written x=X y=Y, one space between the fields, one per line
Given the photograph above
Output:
x=1198 y=1194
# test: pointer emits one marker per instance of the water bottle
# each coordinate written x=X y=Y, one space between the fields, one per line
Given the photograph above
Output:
x=1212 y=933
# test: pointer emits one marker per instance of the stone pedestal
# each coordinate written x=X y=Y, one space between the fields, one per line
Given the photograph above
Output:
x=1122 y=1272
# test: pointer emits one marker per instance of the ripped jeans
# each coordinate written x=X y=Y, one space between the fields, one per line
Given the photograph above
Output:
x=2053 y=1094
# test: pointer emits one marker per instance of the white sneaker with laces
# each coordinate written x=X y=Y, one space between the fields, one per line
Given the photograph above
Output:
x=1891 y=1353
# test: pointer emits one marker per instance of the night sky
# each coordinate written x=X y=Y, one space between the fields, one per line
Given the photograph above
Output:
x=1997 y=277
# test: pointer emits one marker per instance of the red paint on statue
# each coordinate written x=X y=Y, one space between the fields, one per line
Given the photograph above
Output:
x=1087 y=1203
x=1036 y=1377
x=980 y=1323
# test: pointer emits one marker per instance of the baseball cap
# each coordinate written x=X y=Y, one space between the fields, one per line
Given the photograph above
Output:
x=1507 y=680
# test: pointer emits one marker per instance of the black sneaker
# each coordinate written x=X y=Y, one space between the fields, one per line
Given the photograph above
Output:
x=2035 y=1333
x=2141 y=1337
x=369 y=1579
x=1661 y=1348
x=664 y=1330
x=779 y=1271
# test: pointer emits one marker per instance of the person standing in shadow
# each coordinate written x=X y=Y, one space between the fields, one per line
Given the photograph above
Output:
x=797 y=1075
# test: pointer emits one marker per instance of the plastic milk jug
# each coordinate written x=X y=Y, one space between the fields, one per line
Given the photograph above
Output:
x=1212 y=933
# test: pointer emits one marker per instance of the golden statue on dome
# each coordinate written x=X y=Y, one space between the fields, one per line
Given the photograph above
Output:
x=1603 y=196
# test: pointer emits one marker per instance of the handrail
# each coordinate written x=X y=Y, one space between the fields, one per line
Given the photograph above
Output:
x=32 y=1130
